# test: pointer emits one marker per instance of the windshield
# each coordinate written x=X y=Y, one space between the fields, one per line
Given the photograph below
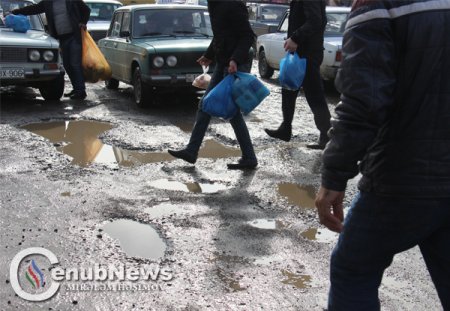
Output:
x=6 y=6
x=102 y=11
x=335 y=24
x=272 y=13
x=171 y=22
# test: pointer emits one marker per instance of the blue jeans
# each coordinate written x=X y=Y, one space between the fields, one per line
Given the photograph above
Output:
x=237 y=122
x=71 y=54
x=375 y=229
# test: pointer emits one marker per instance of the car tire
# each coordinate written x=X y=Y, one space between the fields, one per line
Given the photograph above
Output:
x=54 y=89
x=142 y=94
x=112 y=84
x=265 y=71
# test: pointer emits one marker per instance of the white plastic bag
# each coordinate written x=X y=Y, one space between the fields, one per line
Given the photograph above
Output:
x=202 y=81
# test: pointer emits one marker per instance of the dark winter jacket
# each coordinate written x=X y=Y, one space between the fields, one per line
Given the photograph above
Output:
x=233 y=35
x=395 y=110
x=307 y=20
x=78 y=11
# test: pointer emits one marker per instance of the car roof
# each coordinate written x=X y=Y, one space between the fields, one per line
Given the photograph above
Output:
x=155 y=6
x=338 y=9
x=103 y=1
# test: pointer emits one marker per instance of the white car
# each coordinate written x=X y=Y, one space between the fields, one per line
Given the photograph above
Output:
x=270 y=46
x=30 y=59
x=100 y=18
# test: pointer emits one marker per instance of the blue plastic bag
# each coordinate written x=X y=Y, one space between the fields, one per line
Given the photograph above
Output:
x=219 y=101
x=248 y=92
x=19 y=23
x=292 y=71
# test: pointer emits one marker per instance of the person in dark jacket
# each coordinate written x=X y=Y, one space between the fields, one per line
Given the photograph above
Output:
x=307 y=20
x=394 y=123
x=65 y=18
x=232 y=39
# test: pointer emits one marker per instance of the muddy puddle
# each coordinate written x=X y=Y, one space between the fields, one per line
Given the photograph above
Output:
x=195 y=187
x=266 y=224
x=300 y=281
x=300 y=195
x=79 y=140
x=321 y=235
x=136 y=239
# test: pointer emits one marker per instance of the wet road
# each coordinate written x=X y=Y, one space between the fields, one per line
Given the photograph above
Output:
x=92 y=182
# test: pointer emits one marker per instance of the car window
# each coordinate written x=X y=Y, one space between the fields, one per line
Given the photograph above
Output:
x=125 y=23
x=171 y=22
x=114 y=28
x=252 y=12
x=272 y=13
x=284 y=26
x=101 y=11
x=6 y=6
x=335 y=23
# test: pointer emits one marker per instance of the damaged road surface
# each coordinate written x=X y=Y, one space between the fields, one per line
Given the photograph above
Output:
x=133 y=228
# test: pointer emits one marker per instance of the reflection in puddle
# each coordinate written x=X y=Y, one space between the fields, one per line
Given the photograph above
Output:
x=266 y=224
x=195 y=187
x=82 y=144
x=321 y=235
x=136 y=239
x=298 y=280
x=303 y=196
x=164 y=209
x=230 y=281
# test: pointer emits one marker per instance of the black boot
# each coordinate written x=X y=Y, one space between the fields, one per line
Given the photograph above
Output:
x=323 y=140
x=284 y=131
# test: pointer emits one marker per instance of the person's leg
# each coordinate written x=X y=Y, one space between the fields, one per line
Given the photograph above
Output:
x=375 y=229
x=64 y=44
x=284 y=131
x=77 y=77
x=248 y=159
x=436 y=253
x=315 y=96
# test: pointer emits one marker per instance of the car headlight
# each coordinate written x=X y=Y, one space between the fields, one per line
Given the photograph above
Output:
x=158 y=62
x=48 y=56
x=171 y=61
x=34 y=55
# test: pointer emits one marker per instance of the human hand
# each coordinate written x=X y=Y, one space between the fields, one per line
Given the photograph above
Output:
x=330 y=208
x=82 y=26
x=290 y=45
x=232 y=67
x=204 y=61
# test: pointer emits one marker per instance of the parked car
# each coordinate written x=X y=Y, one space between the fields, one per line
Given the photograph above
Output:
x=155 y=47
x=30 y=59
x=270 y=46
x=264 y=18
x=100 y=18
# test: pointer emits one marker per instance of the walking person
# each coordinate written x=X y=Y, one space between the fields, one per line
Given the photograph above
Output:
x=393 y=127
x=232 y=39
x=307 y=20
x=65 y=18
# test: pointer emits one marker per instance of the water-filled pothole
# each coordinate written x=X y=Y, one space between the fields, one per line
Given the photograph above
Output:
x=301 y=281
x=164 y=209
x=136 y=239
x=321 y=235
x=266 y=224
x=302 y=196
x=79 y=140
x=194 y=187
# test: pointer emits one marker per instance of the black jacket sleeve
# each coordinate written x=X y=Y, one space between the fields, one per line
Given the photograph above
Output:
x=313 y=24
x=244 y=32
x=85 y=12
x=31 y=9
x=366 y=80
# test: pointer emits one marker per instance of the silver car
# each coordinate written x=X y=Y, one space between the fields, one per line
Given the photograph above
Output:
x=100 y=18
x=32 y=58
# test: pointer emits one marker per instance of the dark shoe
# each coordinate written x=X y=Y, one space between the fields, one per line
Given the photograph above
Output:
x=184 y=155
x=78 y=95
x=69 y=94
x=283 y=134
x=320 y=145
x=243 y=165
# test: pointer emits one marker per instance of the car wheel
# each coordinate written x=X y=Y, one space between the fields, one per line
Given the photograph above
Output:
x=54 y=89
x=142 y=94
x=112 y=84
x=265 y=71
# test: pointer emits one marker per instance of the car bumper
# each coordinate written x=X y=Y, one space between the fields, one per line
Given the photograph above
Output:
x=33 y=76
x=170 y=80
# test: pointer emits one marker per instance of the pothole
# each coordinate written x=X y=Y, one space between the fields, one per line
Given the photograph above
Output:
x=166 y=184
x=302 y=196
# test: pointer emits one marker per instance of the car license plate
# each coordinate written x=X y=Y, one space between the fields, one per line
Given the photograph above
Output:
x=12 y=73
x=191 y=77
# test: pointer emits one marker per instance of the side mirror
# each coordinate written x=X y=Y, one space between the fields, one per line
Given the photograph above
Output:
x=272 y=28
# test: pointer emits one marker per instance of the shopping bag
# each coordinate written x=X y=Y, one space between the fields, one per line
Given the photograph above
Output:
x=292 y=71
x=19 y=23
x=202 y=81
x=95 y=66
x=248 y=92
x=219 y=101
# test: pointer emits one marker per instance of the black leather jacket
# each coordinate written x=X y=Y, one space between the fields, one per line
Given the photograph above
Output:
x=233 y=35
x=394 y=118
x=78 y=11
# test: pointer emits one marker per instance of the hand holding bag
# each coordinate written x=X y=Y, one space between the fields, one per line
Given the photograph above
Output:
x=202 y=81
x=292 y=71
x=219 y=101
x=95 y=66
x=248 y=92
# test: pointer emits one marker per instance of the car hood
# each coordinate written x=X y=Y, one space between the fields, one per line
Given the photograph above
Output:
x=273 y=36
x=168 y=45
x=32 y=38
x=336 y=41
x=97 y=25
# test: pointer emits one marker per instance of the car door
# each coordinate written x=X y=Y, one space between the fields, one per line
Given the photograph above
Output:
x=108 y=45
x=122 y=44
x=275 y=47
